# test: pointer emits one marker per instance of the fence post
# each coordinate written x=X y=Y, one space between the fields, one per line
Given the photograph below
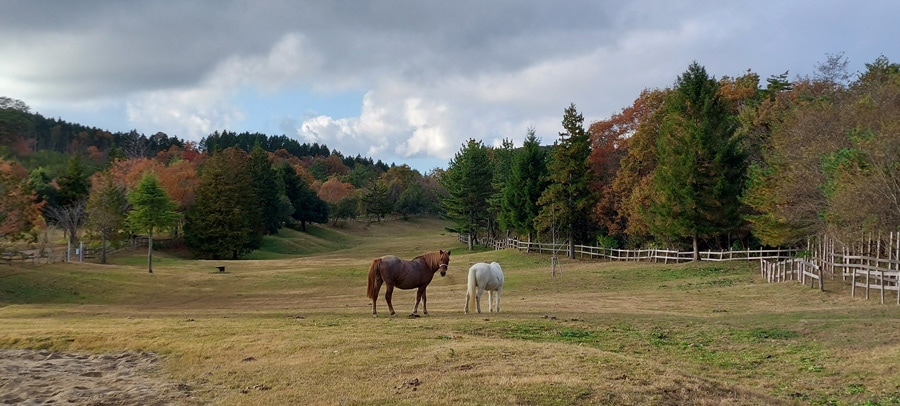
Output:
x=868 y=272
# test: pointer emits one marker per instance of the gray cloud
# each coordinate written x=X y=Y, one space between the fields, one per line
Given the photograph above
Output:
x=434 y=73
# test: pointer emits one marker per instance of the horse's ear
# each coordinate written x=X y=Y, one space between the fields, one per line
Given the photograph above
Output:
x=448 y=252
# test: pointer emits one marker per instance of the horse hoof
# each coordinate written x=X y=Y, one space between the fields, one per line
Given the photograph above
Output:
x=412 y=316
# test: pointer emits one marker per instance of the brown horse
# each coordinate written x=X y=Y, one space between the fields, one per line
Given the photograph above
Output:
x=415 y=273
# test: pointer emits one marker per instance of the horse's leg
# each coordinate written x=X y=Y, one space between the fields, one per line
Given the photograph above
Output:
x=388 y=295
x=420 y=294
x=468 y=294
x=490 y=301
x=497 y=293
x=425 y=300
x=378 y=283
x=478 y=298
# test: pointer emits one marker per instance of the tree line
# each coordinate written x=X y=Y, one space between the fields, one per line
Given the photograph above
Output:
x=220 y=200
x=706 y=163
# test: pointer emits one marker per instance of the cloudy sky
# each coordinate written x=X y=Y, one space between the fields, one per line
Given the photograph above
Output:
x=404 y=81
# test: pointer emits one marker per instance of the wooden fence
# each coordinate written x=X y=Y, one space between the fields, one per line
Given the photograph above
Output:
x=798 y=269
x=648 y=254
x=872 y=265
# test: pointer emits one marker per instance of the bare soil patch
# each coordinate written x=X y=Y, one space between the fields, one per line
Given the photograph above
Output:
x=30 y=377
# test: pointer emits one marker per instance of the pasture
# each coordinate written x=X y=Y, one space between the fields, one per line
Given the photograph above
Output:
x=292 y=325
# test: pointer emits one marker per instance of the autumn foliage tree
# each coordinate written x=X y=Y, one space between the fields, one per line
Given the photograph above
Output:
x=106 y=209
x=20 y=214
x=829 y=163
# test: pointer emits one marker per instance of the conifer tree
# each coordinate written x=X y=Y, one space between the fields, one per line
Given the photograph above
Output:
x=375 y=200
x=266 y=187
x=467 y=182
x=223 y=220
x=151 y=211
x=700 y=172
x=308 y=207
x=527 y=180
x=567 y=201
x=75 y=183
x=501 y=163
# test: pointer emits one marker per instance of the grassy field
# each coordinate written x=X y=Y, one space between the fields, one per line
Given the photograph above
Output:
x=292 y=325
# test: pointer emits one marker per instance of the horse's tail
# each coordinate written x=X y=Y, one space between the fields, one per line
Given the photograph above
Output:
x=471 y=288
x=373 y=278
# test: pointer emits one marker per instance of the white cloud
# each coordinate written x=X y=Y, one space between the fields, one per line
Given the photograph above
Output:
x=195 y=112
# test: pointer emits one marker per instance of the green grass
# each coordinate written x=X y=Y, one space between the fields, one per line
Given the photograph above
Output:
x=288 y=243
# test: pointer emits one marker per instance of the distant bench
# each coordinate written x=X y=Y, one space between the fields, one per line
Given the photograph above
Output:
x=11 y=256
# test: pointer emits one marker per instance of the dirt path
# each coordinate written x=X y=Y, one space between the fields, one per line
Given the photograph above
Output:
x=45 y=377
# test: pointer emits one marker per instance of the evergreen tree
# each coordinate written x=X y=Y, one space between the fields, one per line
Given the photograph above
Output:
x=700 y=173
x=567 y=201
x=527 y=180
x=308 y=207
x=74 y=183
x=376 y=202
x=413 y=200
x=266 y=187
x=312 y=209
x=501 y=162
x=223 y=220
x=40 y=183
x=151 y=211
x=344 y=209
x=468 y=185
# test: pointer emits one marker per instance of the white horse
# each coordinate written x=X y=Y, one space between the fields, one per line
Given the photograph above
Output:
x=484 y=277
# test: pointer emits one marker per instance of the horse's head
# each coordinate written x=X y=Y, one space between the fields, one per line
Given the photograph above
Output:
x=444 y=261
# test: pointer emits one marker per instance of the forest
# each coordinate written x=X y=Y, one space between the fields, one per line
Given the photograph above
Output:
x=719 y=163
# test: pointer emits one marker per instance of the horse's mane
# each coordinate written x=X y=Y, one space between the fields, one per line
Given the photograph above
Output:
x=432 y=259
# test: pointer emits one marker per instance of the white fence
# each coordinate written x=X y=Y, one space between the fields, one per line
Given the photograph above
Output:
x=797 y=269
x=873 y=265
x=649 y=254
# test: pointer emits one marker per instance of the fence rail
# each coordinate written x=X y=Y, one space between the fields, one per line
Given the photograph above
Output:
x=647 y=254
x=872 y=265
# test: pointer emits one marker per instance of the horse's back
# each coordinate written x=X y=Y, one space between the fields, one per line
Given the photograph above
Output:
x=404 y=274
x=497 y=270
x=488 y=276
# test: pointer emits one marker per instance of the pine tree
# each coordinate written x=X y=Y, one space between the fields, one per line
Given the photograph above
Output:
x=527 y=180
x=151 y=211
x=223 y=220
x=467 y=182
x=308 y=207
x=700 y=171
x=568 y=199
x=75 y=183
x=266 y=187
x=501 y=163
x=375 y=200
